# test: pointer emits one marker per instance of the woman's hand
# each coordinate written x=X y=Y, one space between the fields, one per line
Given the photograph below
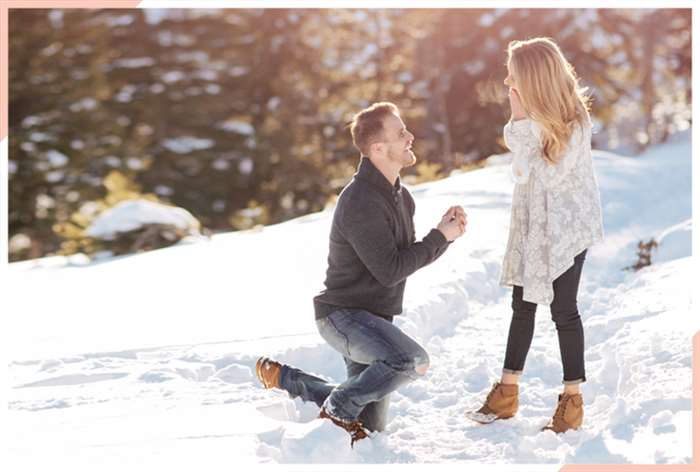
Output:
x=517 y=112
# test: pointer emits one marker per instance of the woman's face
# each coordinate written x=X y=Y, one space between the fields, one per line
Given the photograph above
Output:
x=510 y=81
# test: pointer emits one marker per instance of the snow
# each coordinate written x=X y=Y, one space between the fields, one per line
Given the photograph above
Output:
x=245 y=165
x=87 y=103
x=239 y=127
x=132 y=214
x=134 y=62
x=149 y=359
x=187 y=144
x=173 y=76
x=155 y=15
x=39 y=137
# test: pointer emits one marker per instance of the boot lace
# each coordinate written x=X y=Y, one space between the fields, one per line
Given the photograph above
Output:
x=485 y=407
x=355 y=428
x=357 y=432
x=492 y=392
x=561 y=408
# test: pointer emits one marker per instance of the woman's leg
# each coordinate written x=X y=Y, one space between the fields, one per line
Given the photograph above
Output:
x=565 y=315
x=522 y=328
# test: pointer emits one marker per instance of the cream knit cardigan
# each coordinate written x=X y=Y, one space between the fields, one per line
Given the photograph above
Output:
x=556 y=211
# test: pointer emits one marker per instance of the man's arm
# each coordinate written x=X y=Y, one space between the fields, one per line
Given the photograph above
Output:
x=366 y=228
x=411 y=204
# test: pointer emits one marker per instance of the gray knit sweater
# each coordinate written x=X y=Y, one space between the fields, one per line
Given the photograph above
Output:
x=373 y=246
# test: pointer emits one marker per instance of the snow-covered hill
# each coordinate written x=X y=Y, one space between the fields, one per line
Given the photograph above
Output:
x=147 y=361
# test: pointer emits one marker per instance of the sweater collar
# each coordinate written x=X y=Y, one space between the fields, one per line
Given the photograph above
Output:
x=369 y=172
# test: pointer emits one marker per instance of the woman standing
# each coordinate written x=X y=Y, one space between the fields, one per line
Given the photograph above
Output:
x=555 y=218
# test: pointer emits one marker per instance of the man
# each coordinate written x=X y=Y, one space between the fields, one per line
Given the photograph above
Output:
x=373 y=249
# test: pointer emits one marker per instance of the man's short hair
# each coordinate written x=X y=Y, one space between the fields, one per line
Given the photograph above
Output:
x=367 y=126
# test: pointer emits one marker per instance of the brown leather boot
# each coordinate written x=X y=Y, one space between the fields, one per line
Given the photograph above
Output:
x=355 y=428
x=568 y=415
x=501 y=403
x=268 y=372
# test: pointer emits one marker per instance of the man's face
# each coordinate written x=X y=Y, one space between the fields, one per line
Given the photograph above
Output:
x=398 y=141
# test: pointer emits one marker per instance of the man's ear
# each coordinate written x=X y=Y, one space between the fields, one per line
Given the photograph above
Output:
x=377 y=148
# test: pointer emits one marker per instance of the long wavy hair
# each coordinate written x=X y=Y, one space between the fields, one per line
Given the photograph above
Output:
x=549 y=91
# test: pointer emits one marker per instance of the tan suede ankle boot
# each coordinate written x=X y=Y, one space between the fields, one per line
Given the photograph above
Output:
x=268 y=372
x=501 y=403
x=568 y=415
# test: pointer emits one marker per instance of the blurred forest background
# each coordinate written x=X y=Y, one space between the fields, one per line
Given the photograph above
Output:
x=239 y=115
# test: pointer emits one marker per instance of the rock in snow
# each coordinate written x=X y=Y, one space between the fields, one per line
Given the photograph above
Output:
x=133 y=214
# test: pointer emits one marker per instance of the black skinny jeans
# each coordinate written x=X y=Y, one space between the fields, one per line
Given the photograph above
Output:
x=566 y=317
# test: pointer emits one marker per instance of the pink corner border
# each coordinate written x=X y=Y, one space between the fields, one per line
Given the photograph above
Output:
x=694 y=466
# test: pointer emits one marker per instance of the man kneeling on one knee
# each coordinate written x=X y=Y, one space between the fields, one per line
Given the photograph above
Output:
x=372 y=250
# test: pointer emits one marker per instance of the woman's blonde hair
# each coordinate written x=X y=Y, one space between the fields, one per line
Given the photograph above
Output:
x=549 y=91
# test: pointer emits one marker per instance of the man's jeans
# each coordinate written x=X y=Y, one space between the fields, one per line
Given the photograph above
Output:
x=379 y=358
x=566 y=317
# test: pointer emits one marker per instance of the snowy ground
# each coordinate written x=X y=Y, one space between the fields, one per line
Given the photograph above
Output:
x=148 y=360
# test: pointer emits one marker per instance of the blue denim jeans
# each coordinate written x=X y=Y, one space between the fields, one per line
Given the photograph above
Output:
x=379 y=358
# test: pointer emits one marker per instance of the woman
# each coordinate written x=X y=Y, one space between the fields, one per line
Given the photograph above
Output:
x=555 y=217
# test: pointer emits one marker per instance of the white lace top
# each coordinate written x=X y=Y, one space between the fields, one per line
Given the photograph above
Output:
x=556 y=210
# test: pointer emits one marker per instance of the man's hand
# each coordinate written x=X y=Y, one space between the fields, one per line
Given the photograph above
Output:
x=453 y=223
x=517 y=112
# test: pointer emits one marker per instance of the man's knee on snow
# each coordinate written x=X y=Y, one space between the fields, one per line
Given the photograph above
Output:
x=422 y=363
x=422 y=369
x=412 y=363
